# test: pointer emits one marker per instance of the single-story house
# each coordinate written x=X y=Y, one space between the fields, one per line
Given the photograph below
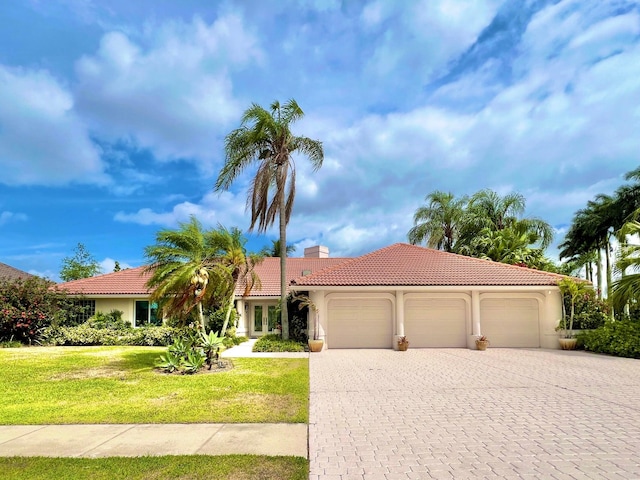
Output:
x=8 y=272
x=436 y=299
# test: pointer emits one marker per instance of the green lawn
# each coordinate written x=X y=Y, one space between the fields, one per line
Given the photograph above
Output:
x=231 y=467
x=60 y=385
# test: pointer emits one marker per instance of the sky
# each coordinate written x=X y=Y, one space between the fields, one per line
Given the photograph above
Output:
x=113 y=114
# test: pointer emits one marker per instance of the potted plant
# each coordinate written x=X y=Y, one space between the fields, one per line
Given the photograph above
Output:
x=403 y=343
x=278 y=329
x=482 y=342
x=572 y=290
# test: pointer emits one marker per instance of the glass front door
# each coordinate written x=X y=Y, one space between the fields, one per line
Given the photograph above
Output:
x=265 y=318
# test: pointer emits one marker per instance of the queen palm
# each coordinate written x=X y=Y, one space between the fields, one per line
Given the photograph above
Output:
x=439 y=222
x=265 y=138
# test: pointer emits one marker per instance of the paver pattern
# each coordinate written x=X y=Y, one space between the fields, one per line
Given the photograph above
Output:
x=456 y=413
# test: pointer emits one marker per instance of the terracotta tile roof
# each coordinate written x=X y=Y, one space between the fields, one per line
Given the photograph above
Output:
x=132 y=281
x=402 y=264
x=8 y=272
x=125 y=282
x=269 y=272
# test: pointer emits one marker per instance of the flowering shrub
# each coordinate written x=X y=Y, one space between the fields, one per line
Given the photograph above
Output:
x=27 y=306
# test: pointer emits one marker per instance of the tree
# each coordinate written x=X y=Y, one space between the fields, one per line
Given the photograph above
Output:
x=179 y=263
x=626 y=290
x=274 y=249
x=81 y=265
x=234 y=265
x=488 y=210
x=195 y=268
x=439 y=222
x=116 y=266
x=265 y=138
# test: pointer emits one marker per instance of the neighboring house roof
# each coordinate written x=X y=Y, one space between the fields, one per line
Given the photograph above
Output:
x=8 y=272
x=130 y=281
x=402 y=264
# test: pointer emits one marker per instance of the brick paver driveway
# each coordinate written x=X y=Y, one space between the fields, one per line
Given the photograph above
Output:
x=454 y=413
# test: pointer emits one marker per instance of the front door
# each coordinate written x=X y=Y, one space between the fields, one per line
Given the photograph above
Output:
x=265 y=319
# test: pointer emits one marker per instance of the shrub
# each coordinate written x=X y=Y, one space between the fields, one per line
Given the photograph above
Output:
x=29 y=305
x=590 y=311
x=274 y=343
x=615 y=338
x=112 y=320
x=86 y=335
x=229 y=342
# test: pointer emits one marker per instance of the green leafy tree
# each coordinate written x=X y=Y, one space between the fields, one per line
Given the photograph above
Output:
x=265 y=139
x=626 y=290
x=274 y=249
x=439 y=222
x=81 y=265
x=192 y=268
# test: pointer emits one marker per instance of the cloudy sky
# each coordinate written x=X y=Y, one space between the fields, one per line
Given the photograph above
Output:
x=113 y=114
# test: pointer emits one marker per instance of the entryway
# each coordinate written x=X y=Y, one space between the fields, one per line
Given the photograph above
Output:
x=264 y=318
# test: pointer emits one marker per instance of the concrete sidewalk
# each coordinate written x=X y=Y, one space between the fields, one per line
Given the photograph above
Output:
x=92 y=441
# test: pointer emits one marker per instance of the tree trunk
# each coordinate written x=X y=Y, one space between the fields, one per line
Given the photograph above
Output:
x=599 y=273
x=227 y=314
x=201 y=315
x=284 y=314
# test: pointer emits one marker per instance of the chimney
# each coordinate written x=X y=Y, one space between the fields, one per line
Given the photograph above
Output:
x=319 y=251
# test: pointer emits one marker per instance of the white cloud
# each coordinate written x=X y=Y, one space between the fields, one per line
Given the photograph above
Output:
x=108 y=264
x=6 y=217
x=43 y=141
x=169 y=91
x=225 y=208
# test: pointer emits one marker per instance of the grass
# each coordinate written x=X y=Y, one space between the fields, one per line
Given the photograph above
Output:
x=231 y=467
x=65 y=385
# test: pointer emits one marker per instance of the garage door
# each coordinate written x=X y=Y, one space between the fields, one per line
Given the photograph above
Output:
x=360 y=323
x=510 y=322
x=436 y=322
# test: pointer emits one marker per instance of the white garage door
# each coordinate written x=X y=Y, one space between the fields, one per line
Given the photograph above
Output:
x=436 y=322
x=360 y=323
x=511 y=322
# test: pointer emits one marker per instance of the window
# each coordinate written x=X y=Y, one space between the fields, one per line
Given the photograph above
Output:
x=146 y=313
x=83 y=310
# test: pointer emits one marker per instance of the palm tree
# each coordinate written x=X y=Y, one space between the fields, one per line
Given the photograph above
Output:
x=191 y=267
x=627 y=288
x=489 y=212
x=274 y=249
x=264 y=138
x=439 y=221
x=179 y=264
x=234 y=265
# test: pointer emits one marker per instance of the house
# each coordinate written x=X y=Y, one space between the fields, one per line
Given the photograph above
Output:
x=9 y=273
x=436 y=299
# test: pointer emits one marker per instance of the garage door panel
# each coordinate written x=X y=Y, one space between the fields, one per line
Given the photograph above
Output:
x=511 y=322
x=436 y=323
x=360 y=323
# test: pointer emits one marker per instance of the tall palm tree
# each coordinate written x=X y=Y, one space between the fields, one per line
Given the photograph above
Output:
x=627 y=288
x=439 y=221
x=265 y=138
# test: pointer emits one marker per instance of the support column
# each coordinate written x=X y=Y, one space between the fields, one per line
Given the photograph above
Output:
x=399 y=323
x=242 y=330
x=317 y=297
x=475 y=312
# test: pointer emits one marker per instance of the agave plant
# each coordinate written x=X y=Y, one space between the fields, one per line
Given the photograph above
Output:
x=194 y=361
x=210 y=344
x=169 y=362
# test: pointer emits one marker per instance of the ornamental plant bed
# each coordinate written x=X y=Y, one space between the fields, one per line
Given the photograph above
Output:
x=221 y=365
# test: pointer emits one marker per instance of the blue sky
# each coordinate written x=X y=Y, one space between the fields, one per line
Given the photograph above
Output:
x=113 y=114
